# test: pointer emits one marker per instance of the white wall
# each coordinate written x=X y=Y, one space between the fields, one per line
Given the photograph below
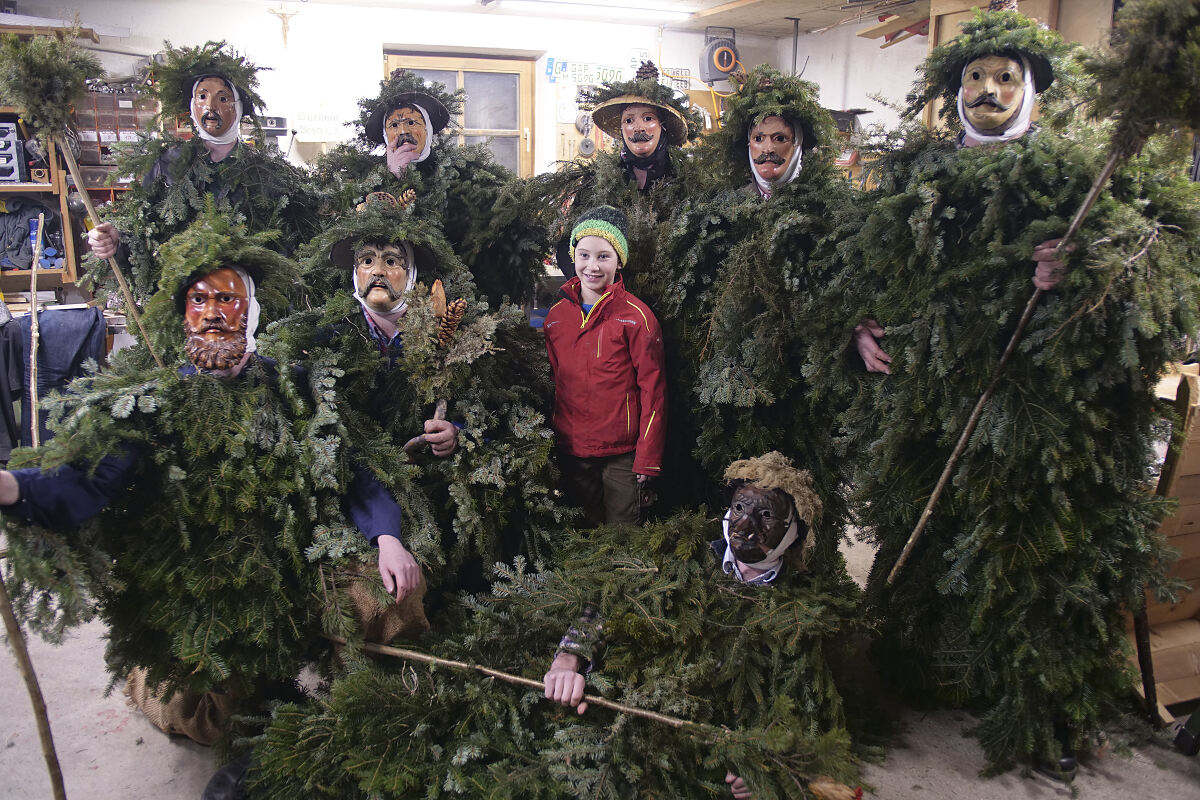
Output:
x=849 y=68
x=334 y=52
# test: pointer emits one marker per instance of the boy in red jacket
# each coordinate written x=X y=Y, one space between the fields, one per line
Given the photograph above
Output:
x=606 y=354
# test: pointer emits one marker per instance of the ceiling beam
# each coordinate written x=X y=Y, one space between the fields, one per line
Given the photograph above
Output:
x=730 y=6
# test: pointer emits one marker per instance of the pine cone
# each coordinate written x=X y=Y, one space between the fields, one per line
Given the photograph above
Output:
x=647 y=72
x=450 y=322
x=407 y=197
x=438 y=296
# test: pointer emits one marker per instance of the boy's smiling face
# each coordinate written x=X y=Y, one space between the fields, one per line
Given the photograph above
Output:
x=596 y=264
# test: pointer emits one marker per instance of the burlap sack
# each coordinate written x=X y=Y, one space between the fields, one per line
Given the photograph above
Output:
x=384 y=623
x=200 y=717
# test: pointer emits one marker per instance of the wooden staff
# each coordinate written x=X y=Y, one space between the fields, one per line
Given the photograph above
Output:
x=1115 y=157
x=16 y=639
x=34 y=336
x=131 y=309
x=425 y=658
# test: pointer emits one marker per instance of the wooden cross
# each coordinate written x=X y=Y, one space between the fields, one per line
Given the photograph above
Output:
x=284 y=15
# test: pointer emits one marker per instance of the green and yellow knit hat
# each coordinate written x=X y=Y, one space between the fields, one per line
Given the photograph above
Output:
x=606 y=222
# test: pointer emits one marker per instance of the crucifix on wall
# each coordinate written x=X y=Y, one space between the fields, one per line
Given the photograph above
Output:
x=284 y=15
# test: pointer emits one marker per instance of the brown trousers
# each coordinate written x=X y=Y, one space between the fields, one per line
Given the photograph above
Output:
x=605 y=487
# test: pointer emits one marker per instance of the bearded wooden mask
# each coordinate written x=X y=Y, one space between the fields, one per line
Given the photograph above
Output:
x=381 y=275
x=993 y=88
x=215 y=309
x=758 y=521
x=405 y=126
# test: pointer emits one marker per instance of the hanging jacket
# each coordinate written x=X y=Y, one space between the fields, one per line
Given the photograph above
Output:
x=609 y=385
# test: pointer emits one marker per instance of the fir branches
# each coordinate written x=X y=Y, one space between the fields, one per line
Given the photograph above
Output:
x=43 y=75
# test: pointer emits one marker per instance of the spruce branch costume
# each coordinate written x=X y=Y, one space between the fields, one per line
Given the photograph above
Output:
x=751 y=345
x=180 y=505
x=1013 y=599
x=682 y=638
x=492 y=497
x=252 y=182
x=486 y=214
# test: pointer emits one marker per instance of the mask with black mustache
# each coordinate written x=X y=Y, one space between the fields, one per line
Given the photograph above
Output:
x=641 y=136
x=773 y=158
x=989 y=99
x=405 y=138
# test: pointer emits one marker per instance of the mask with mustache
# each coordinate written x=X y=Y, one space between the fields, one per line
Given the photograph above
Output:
x=216 y=100
x=217 y=316
x=380 y=270
x=995 y=99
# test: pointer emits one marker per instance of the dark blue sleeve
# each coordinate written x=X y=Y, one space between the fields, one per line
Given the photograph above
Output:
x=69 y=496
x=371 y=507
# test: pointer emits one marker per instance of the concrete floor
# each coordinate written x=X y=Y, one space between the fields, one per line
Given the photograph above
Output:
x=109 y=752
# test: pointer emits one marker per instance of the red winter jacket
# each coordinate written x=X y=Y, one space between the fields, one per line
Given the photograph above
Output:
x=610 y=393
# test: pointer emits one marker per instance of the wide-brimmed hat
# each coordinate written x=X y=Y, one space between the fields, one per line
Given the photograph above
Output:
x=608 y=102
x=405 y=88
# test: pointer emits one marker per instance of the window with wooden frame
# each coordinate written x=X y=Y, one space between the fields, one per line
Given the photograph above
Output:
x=498 y=110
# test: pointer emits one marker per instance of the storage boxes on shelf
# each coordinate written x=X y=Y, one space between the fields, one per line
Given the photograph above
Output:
x=104 y=119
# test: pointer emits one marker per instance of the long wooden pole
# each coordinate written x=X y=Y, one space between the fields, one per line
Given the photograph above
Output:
x=16 y=640
x=130 y=308
x=35 y=426
x=425 y=658
x=1114 y=158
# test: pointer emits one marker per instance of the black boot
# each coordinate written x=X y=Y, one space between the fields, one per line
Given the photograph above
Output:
x=1066 y=765
x=229 y=782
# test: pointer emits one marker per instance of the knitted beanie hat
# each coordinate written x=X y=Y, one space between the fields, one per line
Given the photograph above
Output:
x=606 y=222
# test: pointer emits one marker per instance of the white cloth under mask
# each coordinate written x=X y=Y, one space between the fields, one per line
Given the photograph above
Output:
x=401 y=304
x=235 y=129
x=1020 y=122
x=769 y=565
x=790 y=171
x=253 y=309
x=428 y=132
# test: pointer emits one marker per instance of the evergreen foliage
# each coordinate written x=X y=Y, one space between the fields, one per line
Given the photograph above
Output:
x=201 y=568
x=755 y=359
x=493 y=498
x=1012 y=601
x=172 y=79
x=763 y=92
x=1149 y=77
x=198 y=568
x=255 y=185
x=756 y=663
x=987 y=33
x=43 y=75
x=487 y=214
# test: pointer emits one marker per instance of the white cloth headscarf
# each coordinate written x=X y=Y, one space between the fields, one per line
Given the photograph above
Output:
x=253 y=309
x=428 y=131
x=234 y=131
x=401 y=304
x=791 y=169
x=1020 y=123
x=770 y=564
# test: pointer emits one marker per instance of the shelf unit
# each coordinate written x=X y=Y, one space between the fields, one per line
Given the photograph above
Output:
x=17 y=280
